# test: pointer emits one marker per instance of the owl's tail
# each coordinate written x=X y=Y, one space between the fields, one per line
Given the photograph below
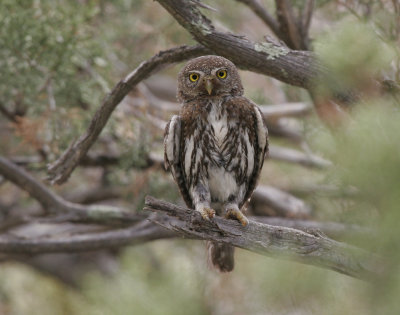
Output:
x=220 y=256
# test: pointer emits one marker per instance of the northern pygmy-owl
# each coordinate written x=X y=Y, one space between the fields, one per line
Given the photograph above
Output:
x=216 y=146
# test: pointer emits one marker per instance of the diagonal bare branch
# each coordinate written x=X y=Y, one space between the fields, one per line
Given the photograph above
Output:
x=27 y=182
x=286 y=243
x=61 y=169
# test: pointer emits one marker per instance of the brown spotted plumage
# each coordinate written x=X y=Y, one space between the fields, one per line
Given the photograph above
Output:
x=216 y=146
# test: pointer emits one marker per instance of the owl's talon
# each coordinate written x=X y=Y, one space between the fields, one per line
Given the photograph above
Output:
x=238 y=215
x=207 y=213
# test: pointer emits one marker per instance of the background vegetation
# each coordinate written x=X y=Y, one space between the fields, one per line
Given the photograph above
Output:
x=58 y=59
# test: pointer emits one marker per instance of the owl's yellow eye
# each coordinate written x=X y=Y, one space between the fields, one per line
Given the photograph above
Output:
x=221 y=74
x=193 y=77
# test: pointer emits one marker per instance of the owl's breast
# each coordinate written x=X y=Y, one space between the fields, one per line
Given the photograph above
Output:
x=218 y=129
x=219 y=152
x=219 y=134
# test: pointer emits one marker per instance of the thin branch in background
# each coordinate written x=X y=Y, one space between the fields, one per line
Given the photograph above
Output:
x=61 y=169
x=298 y=157
x=306 y=21
x=281 y=242
x=27 y=182
x=323 y=190
x=268 y=200
x=137 y=234
x=281 y=128
x=288 y=25
x=307 y=14
x=286 y=110
x=264 y=15
x=55 y=204
x=349 y=7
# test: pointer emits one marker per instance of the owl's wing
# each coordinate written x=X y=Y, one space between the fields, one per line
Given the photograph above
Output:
x=260 y=145
x=172 y=156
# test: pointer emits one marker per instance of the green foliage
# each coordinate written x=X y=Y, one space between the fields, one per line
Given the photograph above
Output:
x=352 y=53
x=45 y=44
x=367 y=155
x=146 y=285
x=51 y=64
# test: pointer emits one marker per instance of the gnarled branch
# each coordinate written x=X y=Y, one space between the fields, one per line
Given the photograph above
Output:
x=294 y=67
x=314 y=249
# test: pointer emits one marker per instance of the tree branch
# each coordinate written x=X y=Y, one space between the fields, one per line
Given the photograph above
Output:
x=297 y=68
x=286 y=110
x=264 y=15
x=306 y=18
x=137 y=234
x=332 y=229
x=27 y=182
x=286 y=243
x=295 y=156
x=275 y=202
x=61 y=169
x=288 y=25
x=53 y=203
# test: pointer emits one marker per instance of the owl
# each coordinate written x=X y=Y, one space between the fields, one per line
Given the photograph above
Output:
x=216 y=146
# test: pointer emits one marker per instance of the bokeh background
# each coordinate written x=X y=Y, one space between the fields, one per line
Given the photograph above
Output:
x=58 y=59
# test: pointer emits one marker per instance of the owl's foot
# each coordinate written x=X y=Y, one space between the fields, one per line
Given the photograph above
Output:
x=207 y=213
x=233 y=213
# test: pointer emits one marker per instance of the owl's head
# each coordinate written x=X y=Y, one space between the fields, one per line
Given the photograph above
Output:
x=208 y=76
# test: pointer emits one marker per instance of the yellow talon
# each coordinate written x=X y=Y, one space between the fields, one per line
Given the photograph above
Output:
x=238 y=215
x=207 y=213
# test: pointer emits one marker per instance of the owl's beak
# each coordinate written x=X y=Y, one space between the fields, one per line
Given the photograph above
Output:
x=209 y=86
